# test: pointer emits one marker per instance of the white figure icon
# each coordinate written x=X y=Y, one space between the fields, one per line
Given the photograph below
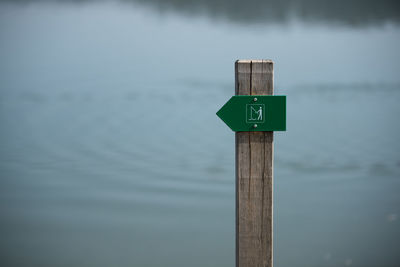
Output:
x=258 y=112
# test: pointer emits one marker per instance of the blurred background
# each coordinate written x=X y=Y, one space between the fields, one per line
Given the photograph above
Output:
x=111 y=153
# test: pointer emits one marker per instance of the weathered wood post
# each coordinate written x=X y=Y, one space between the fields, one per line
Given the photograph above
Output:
x=254 y=173
x=254 y=113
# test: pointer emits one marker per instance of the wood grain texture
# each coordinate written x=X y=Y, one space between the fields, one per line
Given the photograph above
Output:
x=254 y=173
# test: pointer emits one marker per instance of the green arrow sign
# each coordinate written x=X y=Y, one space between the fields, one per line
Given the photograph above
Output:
x=255 y=113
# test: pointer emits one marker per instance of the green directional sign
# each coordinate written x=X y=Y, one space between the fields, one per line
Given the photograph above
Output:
x=255 y=113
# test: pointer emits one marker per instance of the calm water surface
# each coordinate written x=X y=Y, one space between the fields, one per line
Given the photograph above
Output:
x=111 y=153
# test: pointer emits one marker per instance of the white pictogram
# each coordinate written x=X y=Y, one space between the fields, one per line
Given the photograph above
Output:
x=255 y=113
x=258 y=112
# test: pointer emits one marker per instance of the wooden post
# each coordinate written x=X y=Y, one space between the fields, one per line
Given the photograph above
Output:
x=254 y=173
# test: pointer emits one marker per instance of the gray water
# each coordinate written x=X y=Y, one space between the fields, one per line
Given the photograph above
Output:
x=111 y=153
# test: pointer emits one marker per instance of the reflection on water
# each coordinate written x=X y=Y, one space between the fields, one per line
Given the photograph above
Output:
x=354 y=12
x=111 y=153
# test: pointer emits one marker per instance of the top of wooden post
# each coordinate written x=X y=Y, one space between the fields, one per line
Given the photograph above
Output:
x=254 y=61
x=254 y=77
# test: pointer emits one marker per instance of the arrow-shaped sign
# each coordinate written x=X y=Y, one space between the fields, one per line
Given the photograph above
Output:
x=255 y=113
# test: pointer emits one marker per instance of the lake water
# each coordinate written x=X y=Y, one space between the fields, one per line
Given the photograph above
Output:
x=111 y=153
